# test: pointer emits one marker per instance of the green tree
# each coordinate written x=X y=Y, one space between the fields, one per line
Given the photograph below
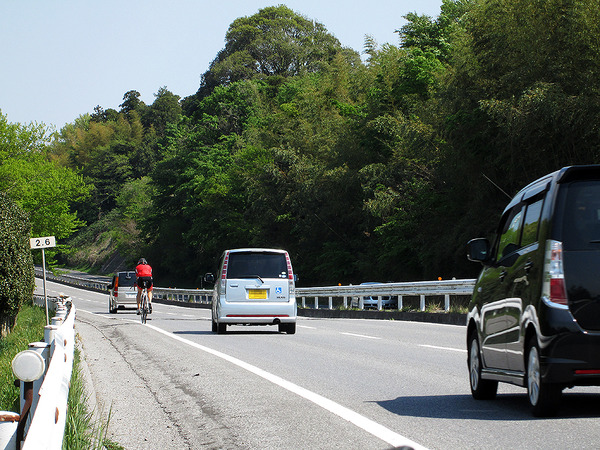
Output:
x=16 y=265
x=43 y=188
x=274 y=42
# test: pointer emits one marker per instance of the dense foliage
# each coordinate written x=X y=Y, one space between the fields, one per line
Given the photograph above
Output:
x=366 y=170
x=16 y=265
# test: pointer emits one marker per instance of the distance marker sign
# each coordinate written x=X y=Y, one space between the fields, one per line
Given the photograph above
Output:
x=42 y=242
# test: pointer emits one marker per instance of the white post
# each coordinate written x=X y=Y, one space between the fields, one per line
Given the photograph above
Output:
x=447 y=302
x=422 y=302
x=45 y=295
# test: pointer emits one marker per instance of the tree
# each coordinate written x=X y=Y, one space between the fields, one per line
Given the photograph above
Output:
x=274 y=42
x=16 y=264
x=43 y=188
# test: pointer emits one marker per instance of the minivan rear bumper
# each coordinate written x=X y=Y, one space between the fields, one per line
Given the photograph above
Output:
x=572 y=359
x=257 y=313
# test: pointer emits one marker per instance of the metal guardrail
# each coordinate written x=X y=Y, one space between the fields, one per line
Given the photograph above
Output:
x=44 y=396
x=341 y=295
x=421 y=289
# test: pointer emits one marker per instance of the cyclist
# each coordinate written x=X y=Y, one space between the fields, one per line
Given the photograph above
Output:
x=143 y=273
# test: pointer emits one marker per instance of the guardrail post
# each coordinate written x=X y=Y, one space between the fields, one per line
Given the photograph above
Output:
x=400 y=306
x=422 y=302
x=43 y=348
x=447 y=302
x=304 y=302
x=330 y=302
x=316 y=302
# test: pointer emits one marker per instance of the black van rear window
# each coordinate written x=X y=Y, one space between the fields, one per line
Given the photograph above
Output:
x=253 y=264
x=581 y=215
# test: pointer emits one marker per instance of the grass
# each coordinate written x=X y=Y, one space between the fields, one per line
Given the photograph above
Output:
x=29 y=328
x=83 y=431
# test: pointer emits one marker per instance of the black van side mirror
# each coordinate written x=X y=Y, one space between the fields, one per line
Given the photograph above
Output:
x=478 y=250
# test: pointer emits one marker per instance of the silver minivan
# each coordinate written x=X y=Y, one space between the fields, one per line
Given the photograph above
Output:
x=254 y=286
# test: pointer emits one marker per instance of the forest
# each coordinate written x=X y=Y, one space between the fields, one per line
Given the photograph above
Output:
x=372 y=167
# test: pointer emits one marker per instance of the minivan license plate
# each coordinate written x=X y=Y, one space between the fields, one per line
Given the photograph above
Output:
x=257 y=294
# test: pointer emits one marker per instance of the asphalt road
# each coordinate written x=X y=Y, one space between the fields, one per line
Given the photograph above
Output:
x=356 y=384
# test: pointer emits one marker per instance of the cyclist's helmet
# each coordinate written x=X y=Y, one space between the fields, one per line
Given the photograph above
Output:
x=142 y=261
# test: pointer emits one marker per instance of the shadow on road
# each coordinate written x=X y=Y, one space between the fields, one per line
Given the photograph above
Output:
x=504 y=407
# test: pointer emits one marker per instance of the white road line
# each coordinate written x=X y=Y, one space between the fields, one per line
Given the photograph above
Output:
x=361 y=335
x=385 y=434
x=308 y=328
x=444 y=348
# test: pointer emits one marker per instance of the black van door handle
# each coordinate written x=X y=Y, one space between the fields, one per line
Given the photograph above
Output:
x=502 y=275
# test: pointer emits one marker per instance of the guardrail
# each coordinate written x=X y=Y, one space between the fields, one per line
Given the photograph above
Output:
x=336 y=296
x=396 y=291
x=45 y=373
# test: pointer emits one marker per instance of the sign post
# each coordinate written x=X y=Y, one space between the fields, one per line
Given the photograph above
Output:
x=43 y=242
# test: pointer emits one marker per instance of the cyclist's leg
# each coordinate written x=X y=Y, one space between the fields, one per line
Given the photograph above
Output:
x=150 y=296
x=139 y=296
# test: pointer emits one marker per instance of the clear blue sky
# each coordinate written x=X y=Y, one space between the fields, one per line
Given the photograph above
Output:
x=61 y=58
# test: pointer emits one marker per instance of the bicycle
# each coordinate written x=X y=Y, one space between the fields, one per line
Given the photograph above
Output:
x=144 y=305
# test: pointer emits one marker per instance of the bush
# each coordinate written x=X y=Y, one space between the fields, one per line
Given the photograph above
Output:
x=16 y=263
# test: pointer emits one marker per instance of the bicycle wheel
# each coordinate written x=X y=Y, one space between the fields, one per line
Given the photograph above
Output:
x=144 y=306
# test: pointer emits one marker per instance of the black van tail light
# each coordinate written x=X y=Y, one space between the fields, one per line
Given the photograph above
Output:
x=555 y=291
x=587 y=372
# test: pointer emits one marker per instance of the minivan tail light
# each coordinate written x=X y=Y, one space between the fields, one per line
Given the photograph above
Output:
x=555 y=291
x=117 y=287
x=291 y=285
x=224 y=273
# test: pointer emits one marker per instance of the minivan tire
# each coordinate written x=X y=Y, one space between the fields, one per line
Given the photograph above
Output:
x=544 y=397
x=480 y=389
x=289 y=328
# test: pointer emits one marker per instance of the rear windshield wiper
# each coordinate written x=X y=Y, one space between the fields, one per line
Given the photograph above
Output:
x=251 y=276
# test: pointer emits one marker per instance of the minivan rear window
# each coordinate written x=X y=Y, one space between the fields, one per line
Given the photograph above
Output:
x=126 y=279
x=581 y=215
x=253 y=264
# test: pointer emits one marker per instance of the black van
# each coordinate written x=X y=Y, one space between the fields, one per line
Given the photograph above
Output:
x=534 y=318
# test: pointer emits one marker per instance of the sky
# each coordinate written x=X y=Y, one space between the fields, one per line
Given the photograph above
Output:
x=62 y=58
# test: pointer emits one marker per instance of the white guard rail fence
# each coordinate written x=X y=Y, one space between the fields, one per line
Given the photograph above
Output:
x=349 y=296
x=45 y=373
x=328 y=297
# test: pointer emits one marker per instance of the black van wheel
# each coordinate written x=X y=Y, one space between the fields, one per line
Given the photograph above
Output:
x=544 y=398
x=480 y=389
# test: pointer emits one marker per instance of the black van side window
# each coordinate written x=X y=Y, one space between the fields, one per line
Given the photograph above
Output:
x=510 y=235
x=531 y=223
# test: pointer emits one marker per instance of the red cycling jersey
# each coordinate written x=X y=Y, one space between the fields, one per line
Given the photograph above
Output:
x=143 y=270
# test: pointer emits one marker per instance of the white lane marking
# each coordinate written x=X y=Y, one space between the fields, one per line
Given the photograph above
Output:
x=308 y=328
x=361 y=335
x=444 y=348
x=379 y=431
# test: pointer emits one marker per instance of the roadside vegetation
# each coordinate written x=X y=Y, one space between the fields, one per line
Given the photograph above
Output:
x=377 y=166
x=84 y=429
x=29 y=328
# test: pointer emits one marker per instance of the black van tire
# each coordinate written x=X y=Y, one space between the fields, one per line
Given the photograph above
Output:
x=480 y=389
x=543 y=397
